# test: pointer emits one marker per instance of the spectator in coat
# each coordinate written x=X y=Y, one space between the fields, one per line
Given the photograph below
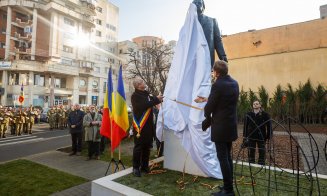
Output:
x=142 y=103
x=92 y=122
x=257 y=130
x=220 y=114
x=75 y=123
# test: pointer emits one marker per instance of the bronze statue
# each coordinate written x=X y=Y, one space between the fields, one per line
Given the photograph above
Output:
x=211 y=32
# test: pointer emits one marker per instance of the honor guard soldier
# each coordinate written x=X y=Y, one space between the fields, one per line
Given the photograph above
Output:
x=31 y=115
x=2 y=122
x=12 y=125
x=52 y=118
x=19 y=121
x=26 y=121
x=61 y=117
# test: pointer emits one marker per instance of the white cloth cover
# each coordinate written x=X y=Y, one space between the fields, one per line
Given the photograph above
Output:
x=189 y=77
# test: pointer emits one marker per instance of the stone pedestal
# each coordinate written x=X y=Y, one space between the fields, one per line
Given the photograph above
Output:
x=176 y=156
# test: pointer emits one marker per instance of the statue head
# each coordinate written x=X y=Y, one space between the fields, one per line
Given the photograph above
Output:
x=200 y=5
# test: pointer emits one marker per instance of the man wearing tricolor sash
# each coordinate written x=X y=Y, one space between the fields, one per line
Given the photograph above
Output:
x=143 y=127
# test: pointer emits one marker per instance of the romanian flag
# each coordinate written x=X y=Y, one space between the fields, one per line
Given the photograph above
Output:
x=21 y=96
x=121 y=123
x=107 y=117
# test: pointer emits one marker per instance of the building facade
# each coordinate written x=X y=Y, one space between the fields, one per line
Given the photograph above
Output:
x=59 y=50
x=279 y=55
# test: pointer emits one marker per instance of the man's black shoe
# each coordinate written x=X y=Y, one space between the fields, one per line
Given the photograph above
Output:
x=224 y=193
x=145 y=170
x=72 y=153
x=137 y=172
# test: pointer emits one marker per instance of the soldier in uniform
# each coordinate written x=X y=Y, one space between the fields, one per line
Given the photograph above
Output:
x=52 y=118
x=2 y=122
x=26 y=121
x=12 y=125
x=61 y=117
x=7 y=118
x=66 y=111
x=31 y=115
x=19 y=121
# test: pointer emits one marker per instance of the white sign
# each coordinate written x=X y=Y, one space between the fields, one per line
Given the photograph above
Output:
x=5 y=64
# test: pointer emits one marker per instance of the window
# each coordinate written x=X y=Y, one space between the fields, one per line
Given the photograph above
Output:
x=95 y=84
x=98 y=33
x=2 y=45
x=99 y=9
x=111 y=27
x=4 y=16
x=97 y=57
x=66 y=62
x=82 y=83
x=104 y=86
x=59 y=82
x=24 y=79
x=99 y=22
x=39 y=80
x=68 y=21
x=97 y=69
x=3 y=30
x=13 y=79
x=68 y=49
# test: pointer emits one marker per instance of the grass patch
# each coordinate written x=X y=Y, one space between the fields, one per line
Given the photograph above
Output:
x=23 y=177
x=166 y=184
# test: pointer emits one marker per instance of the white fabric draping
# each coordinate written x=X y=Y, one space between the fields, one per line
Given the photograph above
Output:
x=189 y=77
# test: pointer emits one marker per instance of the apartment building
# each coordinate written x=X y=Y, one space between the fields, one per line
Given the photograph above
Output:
x=59 y=50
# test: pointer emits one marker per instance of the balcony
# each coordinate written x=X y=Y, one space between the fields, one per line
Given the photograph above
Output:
x=61 y=69
x=88 y=20
x=23 y=24
x=25 y=36
x=85 y=70
x=22 y=50
x=88 y=6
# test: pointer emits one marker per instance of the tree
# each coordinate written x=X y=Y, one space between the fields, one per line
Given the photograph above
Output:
x=243 y=105
x=277 y=106
x=252 y=97
x=151 y=63
x=291 y=101
x=320 y=102
x=305 y=94
x=264 y=97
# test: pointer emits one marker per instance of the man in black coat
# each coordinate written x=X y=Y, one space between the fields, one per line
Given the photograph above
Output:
x=257 y=130
x=75 y=123
x=143 y=131
x=220 y=113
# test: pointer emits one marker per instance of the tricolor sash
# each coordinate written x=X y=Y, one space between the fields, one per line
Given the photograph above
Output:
x=138 y=125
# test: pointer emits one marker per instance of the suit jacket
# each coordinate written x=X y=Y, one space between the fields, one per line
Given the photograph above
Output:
x=212 y=34
x=221 y=109
x=76 y=118
x=141 y=101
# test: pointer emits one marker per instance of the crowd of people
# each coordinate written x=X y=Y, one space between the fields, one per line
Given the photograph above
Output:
x=18 y=121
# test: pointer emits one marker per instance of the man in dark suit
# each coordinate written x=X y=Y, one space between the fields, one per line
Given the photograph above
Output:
x=75 y=122
x=220 y=114
x=211 y=32
x=143 y=131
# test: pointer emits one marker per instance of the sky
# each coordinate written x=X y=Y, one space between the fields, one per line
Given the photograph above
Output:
x=164 y=18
